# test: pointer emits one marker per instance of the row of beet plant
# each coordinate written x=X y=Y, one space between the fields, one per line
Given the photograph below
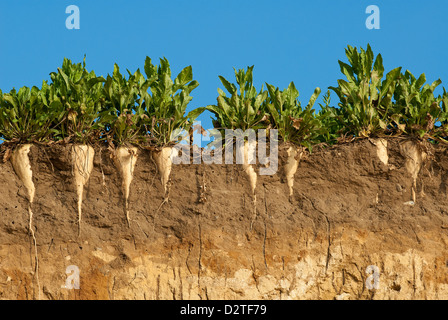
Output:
x=371 y=105
x=81 y=109
x=148 y=110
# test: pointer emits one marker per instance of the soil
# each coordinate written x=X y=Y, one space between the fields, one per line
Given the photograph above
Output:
x=349 y=210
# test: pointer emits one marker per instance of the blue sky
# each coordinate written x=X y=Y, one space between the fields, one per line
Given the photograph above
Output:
x=286 y=40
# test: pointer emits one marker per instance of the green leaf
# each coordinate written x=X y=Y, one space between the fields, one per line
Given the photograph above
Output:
x=378 y=66
x=230 y=87
x=193 y=114
x=347 y=70
x=420 y=81
x=185 y=76
x=435 y=84
x=149 y=68
x=314 y=97
x=191 y=86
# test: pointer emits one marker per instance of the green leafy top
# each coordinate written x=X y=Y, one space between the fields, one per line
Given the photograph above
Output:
x=365 y=97
x=417 y=110
x=80 y=93
x=244 y=108
x=123 y=114
x=166 y=103
x=26 y=116
x=295 y=124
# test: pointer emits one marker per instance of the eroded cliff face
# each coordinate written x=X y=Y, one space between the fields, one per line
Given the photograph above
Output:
x=349 y=211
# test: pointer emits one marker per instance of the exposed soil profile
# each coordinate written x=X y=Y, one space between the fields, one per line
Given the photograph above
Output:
x=349 y=209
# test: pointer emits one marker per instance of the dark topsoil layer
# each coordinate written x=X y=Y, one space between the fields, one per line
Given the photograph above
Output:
x=344 y=186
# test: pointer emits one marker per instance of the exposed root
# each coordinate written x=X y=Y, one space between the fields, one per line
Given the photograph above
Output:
x=264 y=246
x=294 y=156
x=82 y=158
x=165 y=200
x=249 y=151
x=415 y=157
x=203 y=189
x=164 y=165
x=125 y=159
x=6 y=154
x=36 y=269
x=381 y=150
x=21 y=164
x=101 y=167
x=138 y=224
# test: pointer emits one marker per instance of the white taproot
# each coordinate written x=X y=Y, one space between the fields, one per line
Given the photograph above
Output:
x=22 y=167
x=21 y=164
x=415 y=157
x=125 y=159
x=164 y=164
x=381 y=150
x=249 y=152
x=294 y=155
x=82 y=160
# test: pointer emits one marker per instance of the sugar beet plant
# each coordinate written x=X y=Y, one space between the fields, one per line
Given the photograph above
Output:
x=247 y=108
x=297 y=127
x=123 y=119
x=81 y=94
x=164 y=107
x=295 y=124
x=365 y=97
x=331 y=122
x=400 y=104
x=417 y=110
x=244 y=109
x=166 y=102
x=123 y=114
x=415 y=115
x=24 y=119
x=27 y=116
